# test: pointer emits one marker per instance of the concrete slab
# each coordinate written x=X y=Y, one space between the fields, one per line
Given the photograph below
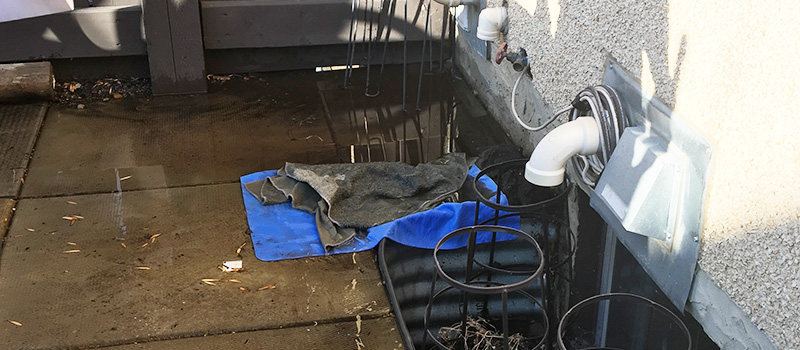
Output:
x=19 y=125
x=238 y=128
x=97 y=296
x=241 y=127
x=380 y=334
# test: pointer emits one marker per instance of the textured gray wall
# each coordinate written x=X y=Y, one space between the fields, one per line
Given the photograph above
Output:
x=730 y=69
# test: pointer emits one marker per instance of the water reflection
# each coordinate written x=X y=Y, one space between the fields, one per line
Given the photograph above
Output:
x=366 y=129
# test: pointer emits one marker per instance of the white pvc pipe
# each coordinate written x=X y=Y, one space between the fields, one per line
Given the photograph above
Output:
x=456 y=3
x=491 y=22
x=546 y=166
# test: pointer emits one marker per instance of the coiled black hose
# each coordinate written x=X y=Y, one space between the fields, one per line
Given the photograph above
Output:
x=602 y=103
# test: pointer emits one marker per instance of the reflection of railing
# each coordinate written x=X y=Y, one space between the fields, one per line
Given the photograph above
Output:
x=218 y=36
x=365 y=129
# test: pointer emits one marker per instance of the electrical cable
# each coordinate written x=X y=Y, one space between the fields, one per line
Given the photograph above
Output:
x=405 y=50
x=599 y=102
x=392 y=7
x=606 y=109
x=351 y=43
x=514 y=108
x=369 y=44
x=422 y=58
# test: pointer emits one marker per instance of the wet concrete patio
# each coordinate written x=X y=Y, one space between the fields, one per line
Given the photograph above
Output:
x=154 y=186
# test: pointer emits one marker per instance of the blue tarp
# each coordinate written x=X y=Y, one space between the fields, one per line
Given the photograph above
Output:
x=281 y=232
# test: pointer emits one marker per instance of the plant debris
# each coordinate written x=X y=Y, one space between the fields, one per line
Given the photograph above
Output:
x=153 y=237
x=144 y=245
x=71 y=202
x=30 y=229
x=244 y=289
x=123 y=244
x=231 y=280
x=239 y=250
x=267 y=287
x=142 y=267
x=125 y=178
x=72 y=243
x=480 y=335
x=72 y=218
x=16 y=323
x=84 y=90
x=72 y=251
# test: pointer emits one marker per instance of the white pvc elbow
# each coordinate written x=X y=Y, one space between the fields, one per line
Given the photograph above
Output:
x=456 y=3
x=546 y=166
x=491 y=23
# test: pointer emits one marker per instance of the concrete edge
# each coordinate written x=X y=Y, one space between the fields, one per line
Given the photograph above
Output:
x=493 y=84
x=41 y=114
x=6 y=210
x=724 y=321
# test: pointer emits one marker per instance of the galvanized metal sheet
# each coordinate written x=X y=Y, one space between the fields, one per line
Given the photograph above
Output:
x=671 y=207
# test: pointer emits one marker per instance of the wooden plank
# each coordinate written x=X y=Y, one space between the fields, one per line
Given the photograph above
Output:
x=91 y=32
x=303 y=57
x=26 y=81
x=98 y=3
x=159 y=44
x=174 y=46
x=17 y=10
x=230 y=24
x=187 y=46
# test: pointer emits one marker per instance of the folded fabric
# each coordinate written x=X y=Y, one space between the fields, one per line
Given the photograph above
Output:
x=345 y=198
x=281 y=232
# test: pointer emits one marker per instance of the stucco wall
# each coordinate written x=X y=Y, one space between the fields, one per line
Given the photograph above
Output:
x=729 y=68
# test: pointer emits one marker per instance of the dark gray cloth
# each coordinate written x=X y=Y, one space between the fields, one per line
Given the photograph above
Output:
x=347 y=197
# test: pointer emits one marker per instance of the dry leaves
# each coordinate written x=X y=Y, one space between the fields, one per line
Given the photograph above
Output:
x=142 y=267
x=125 y=178
x=72 y=251
x=123 y=245
x=72 y=243
x=30 y=229
x=153 y=237
x=267 y=287
x=244 y=289
x=143 y=245
x=16 y=323
x=239 y=250
x=71 y=202
x=72 y=218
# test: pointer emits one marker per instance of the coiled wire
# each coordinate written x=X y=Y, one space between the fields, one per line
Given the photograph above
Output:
x=606 y=109
x=599 y=102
